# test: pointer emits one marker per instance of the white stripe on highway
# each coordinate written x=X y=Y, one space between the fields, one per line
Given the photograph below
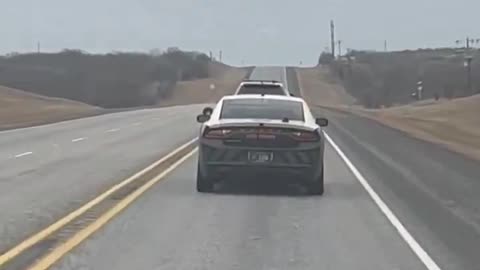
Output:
x=78 y=139
x=137 y=123
x=23 y=154
x=412 y=243
x=113 y=130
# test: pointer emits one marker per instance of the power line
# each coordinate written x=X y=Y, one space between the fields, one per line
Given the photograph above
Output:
x=468 y=42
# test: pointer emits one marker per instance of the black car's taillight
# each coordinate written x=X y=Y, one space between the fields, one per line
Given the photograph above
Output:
x=261 y=134
x=220 y=133
x=304 y=136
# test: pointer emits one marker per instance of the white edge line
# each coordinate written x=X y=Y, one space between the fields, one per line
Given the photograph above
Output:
x=406 y=236
x=23 y=154
x=412 y=243
x=113 y=130
x=79 y=139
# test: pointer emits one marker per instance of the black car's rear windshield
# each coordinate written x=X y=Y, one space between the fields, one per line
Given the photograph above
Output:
x=262 y=109
x=270 y=89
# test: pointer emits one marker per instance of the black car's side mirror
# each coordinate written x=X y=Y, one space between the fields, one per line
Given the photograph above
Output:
x=207 y=111
x=202 y=118
x=323 y=122
x=292 y=95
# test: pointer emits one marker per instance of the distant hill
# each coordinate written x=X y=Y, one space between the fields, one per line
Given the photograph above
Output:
x=224 y=81
x=20 y=109
x=114 y=80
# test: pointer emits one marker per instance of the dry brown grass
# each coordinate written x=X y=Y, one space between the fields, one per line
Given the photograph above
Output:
x=454 y=124
x=318 y=88
x=225 y=80
x=20 y=109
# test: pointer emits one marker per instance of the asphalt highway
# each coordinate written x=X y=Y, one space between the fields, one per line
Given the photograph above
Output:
x=391 y=202
x=47 y=171
x=249 y=226
x=252 y=224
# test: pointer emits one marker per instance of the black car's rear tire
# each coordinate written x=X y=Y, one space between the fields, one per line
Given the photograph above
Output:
x=204 y=184
x=316 y=187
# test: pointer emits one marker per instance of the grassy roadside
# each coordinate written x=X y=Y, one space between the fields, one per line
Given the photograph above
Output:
x=453 y=124
x=208 y=90
x=22 y=109
x=320 y=89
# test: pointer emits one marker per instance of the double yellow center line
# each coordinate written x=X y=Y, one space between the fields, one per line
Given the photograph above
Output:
x=168 y=163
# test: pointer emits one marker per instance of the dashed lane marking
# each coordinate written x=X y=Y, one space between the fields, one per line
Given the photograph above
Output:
x=23 y=154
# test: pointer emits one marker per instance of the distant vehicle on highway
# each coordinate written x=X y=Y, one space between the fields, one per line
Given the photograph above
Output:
x=248 y=87
x=261 y=135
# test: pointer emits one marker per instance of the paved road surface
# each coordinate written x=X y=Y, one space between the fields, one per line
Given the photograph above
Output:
x=249 y=226
x=47 y=171
x=173 y=227
x=432 y=191
x=270 y=73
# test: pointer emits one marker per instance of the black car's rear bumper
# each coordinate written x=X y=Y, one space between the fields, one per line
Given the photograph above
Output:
x=217 y=161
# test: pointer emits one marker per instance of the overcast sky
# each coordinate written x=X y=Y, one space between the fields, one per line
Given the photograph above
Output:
x=261 y=32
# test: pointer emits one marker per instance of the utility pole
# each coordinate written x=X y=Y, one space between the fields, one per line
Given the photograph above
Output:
x=332 y=37
x=38 y=47
x=468 y=64
x=468 y=42
x=385 y=48
x=339 y=48
x=468 y=56
x=419 y=89
x=220 y=56
x=417 y=94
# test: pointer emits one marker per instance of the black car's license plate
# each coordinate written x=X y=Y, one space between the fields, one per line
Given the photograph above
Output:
x=260 y=157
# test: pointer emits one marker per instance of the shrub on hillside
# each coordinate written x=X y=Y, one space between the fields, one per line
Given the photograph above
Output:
x=110 y=80
x=383 y=79
x=325 y=58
